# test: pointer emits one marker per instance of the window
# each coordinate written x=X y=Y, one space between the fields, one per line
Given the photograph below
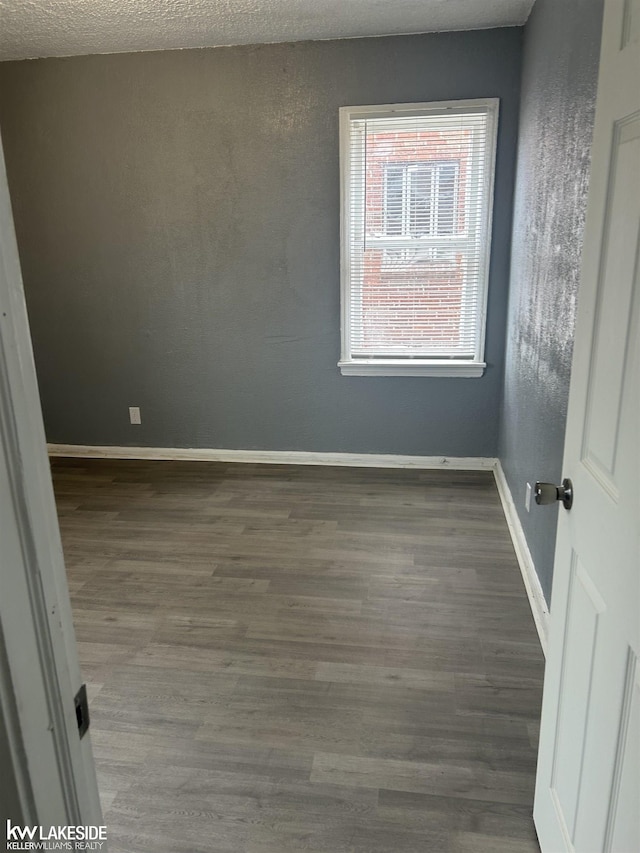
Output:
x=417 y=191
x=419 y=198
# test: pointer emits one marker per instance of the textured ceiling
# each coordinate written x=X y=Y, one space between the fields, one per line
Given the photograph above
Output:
x=34 y=28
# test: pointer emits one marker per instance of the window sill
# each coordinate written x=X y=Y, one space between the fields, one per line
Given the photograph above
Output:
x=412 y=367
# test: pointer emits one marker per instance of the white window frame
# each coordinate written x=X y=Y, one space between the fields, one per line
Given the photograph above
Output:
x=418 y=366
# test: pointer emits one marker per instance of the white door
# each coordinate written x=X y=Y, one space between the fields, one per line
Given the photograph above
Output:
x=55 y=783
x=588 y=783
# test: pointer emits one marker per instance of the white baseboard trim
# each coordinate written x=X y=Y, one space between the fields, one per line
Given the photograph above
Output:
x=276 y=457
x=537 y=600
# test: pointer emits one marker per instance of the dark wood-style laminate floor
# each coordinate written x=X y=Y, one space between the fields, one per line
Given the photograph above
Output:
x=302 y=659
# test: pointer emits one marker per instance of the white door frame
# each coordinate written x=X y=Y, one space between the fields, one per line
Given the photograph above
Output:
x=39 y=670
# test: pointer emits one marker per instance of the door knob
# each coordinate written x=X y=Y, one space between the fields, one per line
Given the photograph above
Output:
x=549 y=493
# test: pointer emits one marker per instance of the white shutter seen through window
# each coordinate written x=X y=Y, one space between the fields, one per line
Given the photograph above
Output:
x=417 y=192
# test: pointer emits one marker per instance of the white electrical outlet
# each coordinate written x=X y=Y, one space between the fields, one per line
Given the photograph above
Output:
x=134 y=415
x=527 y=498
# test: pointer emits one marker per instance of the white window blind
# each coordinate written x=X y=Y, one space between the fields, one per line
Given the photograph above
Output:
x=417 y=190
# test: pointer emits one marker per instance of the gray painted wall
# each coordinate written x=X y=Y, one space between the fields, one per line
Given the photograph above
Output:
x=178 y=221
x=559 y=74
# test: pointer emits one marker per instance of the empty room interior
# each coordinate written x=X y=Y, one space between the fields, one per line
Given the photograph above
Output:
x=302 y=285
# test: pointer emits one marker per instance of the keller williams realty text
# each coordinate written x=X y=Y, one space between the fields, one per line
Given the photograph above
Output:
x=55 y=837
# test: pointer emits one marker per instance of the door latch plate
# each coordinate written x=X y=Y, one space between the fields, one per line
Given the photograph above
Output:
x=82 y=710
